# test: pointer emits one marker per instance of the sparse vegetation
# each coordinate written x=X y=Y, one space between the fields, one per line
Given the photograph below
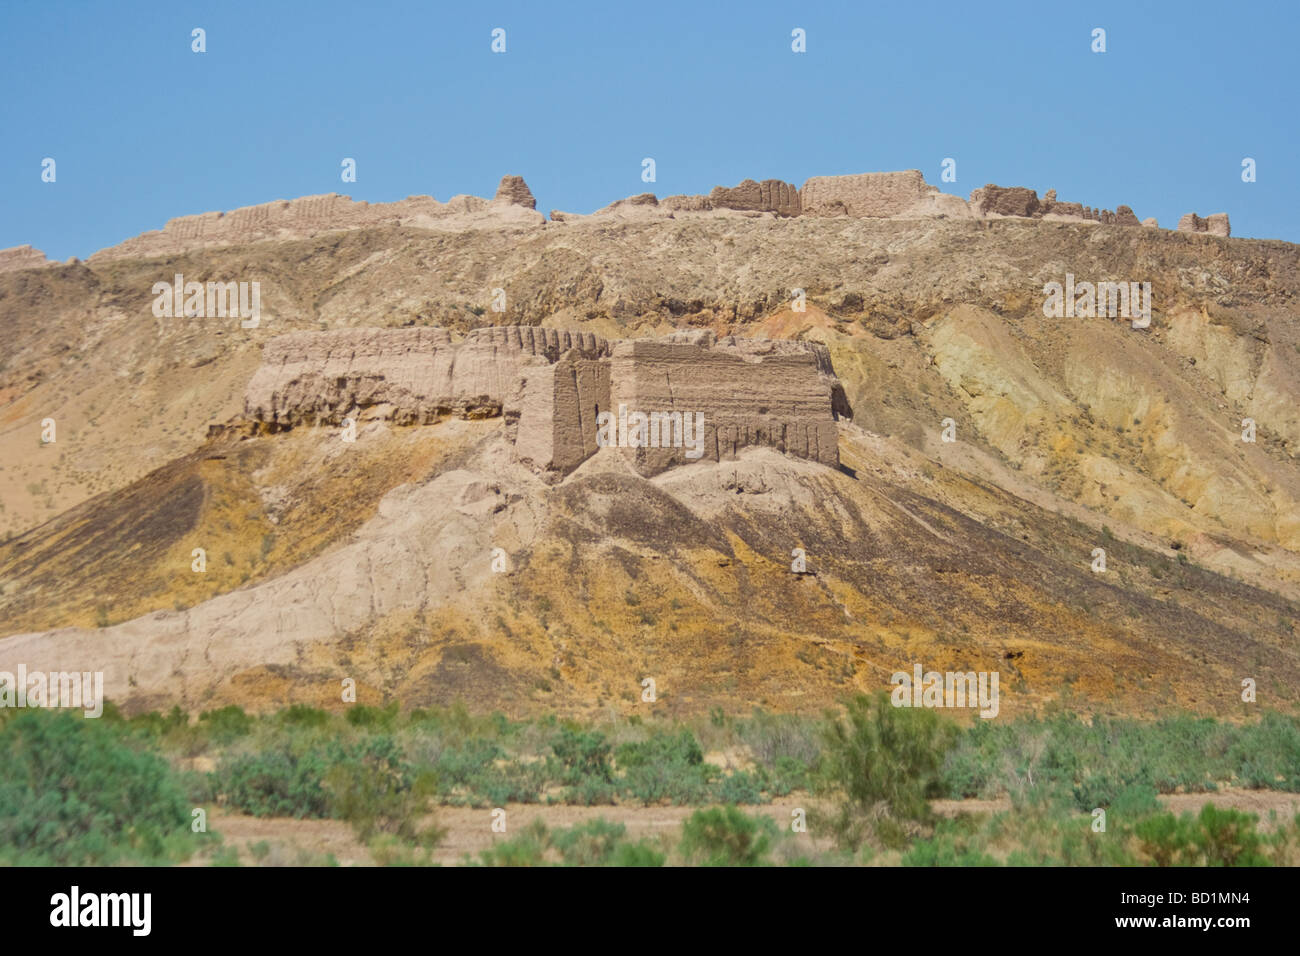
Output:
x=868 y=775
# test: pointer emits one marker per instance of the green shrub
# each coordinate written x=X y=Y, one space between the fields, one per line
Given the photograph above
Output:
x=1213 y=838
x=581 y=755
x=741 y=787
x=665 y=766
x=379 y=718
x=1227 y=837
x=377 y=792
x=880 y=765
x=277 y=783
x=159 y=724
x=300 y=715
x=226 y=725
x=725 y=836
x=590 y=792
x=781 y=739
x=77 y=791
x=1267 y=754
x=601 y=843
x=527 y=849
x=640 y=853
x=946 y=850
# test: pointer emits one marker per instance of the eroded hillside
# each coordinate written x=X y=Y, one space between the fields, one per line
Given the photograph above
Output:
x=373 y=560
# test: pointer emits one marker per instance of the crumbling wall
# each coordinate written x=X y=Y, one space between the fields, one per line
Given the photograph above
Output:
x=1214 y=225
x=774 y=393
x=771 y=195
x=552 y=415
x=552 y=386
x=311 y=215
x=414 y=375
x=866 y=194
x=994 y=200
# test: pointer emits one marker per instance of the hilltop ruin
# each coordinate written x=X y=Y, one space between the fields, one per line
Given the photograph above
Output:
x=888 y=195
x=550 y=387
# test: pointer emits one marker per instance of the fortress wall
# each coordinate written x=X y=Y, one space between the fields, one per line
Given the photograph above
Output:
x=419 y=372
x=1215 y=224
x=584 y=383
x=530 y=415
x=771 y=195
x=750 y=392
x=321 y=376
x=310 y=215
x=550 y=386
x=866 y=194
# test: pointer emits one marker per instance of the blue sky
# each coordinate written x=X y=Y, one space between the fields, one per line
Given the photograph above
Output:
x=142 y=129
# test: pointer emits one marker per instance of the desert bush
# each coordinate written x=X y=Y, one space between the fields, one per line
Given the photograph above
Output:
x=225 y=725
x=1267 y=754
x=277 y=782
x=725 y=836
x=378 y=793
x=581 y=755
x=376 y=718
x=1093 y=762
x=77 y=792
x=880 y=764
x=741 y=786
x=774 y=739
x=954 y=843
x=1215 y=837
x=665 y=766
x=590 y=792
x=526 y=849
x=601 y=843
x=300 y=715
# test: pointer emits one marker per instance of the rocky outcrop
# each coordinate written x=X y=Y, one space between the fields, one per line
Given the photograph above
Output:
x=1214 y=225
x=22 y=257
x=771 y=195
x=514 y=191
x=702 y=398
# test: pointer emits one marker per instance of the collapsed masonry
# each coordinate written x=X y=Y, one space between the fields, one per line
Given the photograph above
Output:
x=551 y=386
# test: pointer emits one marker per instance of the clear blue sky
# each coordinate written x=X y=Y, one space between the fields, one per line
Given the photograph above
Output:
x=142 y=129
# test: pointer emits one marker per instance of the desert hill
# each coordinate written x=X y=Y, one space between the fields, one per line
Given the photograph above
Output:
x=372 y=560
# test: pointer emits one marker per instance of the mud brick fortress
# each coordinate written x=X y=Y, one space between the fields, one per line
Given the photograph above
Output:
x=550 y=386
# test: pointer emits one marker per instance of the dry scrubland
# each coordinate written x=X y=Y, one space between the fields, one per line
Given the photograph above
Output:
x=875 y=785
